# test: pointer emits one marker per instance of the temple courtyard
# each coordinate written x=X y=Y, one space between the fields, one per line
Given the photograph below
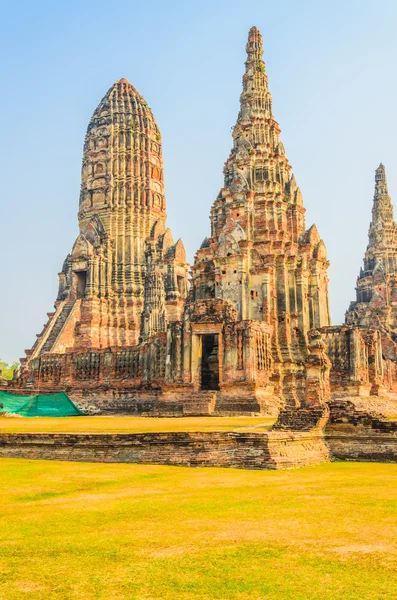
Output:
x=137 y=532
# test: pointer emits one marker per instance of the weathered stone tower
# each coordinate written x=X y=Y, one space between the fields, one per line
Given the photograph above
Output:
x=260 y=257
x=376 y=303
x=122 y=236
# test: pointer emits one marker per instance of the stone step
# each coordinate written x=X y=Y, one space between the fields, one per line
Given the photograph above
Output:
x=60 y=322
x=236 y=406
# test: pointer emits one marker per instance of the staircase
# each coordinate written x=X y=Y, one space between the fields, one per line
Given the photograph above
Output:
x=57 y=328
x=188 y=404
x=232 y=406
x=199 y=403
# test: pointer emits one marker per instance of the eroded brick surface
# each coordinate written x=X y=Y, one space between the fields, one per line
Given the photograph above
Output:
x=209 y=449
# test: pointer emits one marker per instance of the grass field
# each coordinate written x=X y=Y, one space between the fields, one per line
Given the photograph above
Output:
x=136 y=532
x=114 y=424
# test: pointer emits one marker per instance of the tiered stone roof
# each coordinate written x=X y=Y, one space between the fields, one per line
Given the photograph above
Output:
x=376 y=291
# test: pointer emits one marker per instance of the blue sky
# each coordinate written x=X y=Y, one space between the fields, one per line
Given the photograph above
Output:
x=332 y=74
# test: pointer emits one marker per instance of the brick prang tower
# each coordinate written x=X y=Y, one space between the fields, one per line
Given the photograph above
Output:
x=122 y=239
x=260 y=256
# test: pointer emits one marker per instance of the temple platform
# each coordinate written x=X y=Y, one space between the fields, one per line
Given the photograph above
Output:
x=239 y=442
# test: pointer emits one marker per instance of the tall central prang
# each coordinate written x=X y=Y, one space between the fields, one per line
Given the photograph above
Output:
x=260 y=256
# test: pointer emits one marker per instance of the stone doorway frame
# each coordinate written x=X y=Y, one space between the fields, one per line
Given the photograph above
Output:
x=198 y=331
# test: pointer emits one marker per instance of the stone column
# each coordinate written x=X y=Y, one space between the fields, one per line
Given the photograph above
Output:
x=318 y=367
x=196 y=353
x=249 y=356
x=170 y=356
x=267 y=300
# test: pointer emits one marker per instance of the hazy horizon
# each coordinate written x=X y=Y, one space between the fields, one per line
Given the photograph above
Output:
x=330 y=74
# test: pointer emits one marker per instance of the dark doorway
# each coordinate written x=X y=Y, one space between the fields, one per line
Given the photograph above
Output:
x=81 y=283
x=210 y=363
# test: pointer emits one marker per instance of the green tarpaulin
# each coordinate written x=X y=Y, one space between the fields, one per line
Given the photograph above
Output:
x=39 y=405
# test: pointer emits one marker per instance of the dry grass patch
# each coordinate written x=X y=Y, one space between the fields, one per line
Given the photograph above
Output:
x=114 y=424
x=136 y=532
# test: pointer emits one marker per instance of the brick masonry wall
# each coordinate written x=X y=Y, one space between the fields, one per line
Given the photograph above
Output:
x=274 y=450
x=145 y=403
x=349 y=434
x=385 y=405
x=364 y=444
x=355 y=435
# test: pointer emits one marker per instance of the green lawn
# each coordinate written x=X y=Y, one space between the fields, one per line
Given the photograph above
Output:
x=79 y=530
x=114 y=424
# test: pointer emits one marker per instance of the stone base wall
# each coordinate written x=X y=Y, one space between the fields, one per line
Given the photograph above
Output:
x=355 y=435
x=176 y=401
x=274 y=450
x=385 y=404
x=338 y=431
x=301 y=419
x=244 y=399
x=363 y=444
x=144 y=403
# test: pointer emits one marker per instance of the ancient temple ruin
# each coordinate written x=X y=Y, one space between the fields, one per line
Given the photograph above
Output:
x=376 y=303
x=250 y=332
x=363 y=352
x=260 y=257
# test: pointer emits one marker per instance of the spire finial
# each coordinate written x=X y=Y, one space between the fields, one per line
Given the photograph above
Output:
x=254 y=48
x=380 y=181
x=254 y=45
x=254 y=37
x=382 y=212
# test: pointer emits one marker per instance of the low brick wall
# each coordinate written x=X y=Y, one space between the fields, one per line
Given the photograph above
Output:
x=363 y=444
x=349 y=434
x=355 y=435
x=384 y=405
x=270 y=450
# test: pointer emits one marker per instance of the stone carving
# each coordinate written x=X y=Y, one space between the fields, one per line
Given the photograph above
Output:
x=239 y=181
